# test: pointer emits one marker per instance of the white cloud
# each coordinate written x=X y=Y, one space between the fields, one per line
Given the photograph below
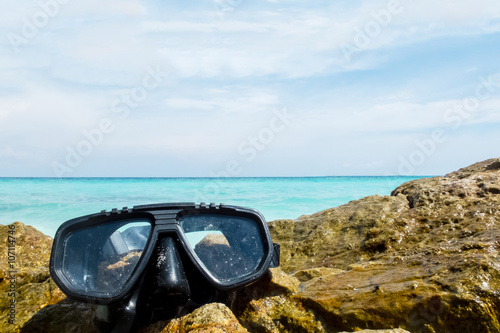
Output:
x=227 y=26
x=487 y=113
x=451 y=11
x=111 y=7
x=9 y=152
x=12 y=105
x=395 y=117
x=238 y=103
x=45 y=117
x=289 y=43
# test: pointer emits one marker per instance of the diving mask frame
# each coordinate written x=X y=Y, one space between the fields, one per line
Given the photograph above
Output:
x=81 y=240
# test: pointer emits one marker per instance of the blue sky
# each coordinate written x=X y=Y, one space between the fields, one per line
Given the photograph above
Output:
x=247 y=88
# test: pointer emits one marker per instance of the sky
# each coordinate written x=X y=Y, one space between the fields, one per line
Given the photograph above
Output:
x=247 y=88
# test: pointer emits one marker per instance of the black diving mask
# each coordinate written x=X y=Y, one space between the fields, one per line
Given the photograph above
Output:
x=159 y=261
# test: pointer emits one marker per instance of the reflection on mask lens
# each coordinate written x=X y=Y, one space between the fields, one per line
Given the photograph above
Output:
x=103 y=257
x=230 y=247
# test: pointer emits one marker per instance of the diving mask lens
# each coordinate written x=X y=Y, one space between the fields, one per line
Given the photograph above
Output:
x=230 y=247
x=101 y=258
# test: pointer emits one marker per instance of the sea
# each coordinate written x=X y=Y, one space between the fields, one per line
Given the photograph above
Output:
x=45 y=203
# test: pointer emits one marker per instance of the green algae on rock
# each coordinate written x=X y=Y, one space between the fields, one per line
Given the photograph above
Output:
x=424 y=259
x=269 y=305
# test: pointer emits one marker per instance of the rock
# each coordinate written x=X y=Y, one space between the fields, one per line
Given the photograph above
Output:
x=269 y=305
x=210 y=318
x=480 y=167
x=308 y=274
x=32 y=249
x=213 y=239
x=424 y=259
x=396 y=330
x=66 y=316
x=24 y=272
x=338 y=237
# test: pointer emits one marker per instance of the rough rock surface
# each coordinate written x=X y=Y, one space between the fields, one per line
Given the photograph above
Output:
x=24 y=272
x=66 y=316
x=210 y=318
x=424 y=259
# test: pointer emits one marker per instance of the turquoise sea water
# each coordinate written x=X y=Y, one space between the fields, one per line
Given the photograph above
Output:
x=45 y=203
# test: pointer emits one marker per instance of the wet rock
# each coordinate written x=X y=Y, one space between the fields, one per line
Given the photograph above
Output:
x=396 y=330
x=308 y=274
x=66 y=316
x=338 y=237
x=269 y=305
x=25 y=283
x=210 y=318
x=424 y=259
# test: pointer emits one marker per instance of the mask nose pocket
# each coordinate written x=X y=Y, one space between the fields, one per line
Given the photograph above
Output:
x=171 y=282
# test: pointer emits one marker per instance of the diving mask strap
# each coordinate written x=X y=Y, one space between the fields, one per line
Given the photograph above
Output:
x=275 y=261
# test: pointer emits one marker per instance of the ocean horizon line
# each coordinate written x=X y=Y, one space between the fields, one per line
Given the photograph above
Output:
x=209 y=177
